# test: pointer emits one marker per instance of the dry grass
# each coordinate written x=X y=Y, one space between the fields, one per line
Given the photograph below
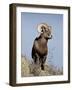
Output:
x=29 y=69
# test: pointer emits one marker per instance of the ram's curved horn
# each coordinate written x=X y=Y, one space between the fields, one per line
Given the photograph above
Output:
x=40 y=25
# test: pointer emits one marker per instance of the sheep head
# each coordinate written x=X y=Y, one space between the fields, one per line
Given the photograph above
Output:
x=45 y=30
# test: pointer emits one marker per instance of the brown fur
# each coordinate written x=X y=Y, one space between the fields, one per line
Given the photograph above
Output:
x=40 y=49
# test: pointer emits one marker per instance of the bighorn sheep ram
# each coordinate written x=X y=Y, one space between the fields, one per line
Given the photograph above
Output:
x=40 y=49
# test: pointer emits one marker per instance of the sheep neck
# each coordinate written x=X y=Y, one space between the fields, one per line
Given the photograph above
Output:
x=43 y=40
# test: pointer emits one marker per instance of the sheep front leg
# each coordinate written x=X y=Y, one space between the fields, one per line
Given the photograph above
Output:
x=43 y=62
x=37 y=59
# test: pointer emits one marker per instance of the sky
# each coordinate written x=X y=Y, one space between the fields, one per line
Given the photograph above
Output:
x=29 y=22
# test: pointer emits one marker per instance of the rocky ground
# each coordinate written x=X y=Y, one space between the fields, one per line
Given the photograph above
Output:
x=29 y=69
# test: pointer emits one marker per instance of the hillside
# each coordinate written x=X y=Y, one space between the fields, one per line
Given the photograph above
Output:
x=29 y=69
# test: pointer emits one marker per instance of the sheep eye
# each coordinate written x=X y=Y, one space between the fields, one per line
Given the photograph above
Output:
x=42 y=30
